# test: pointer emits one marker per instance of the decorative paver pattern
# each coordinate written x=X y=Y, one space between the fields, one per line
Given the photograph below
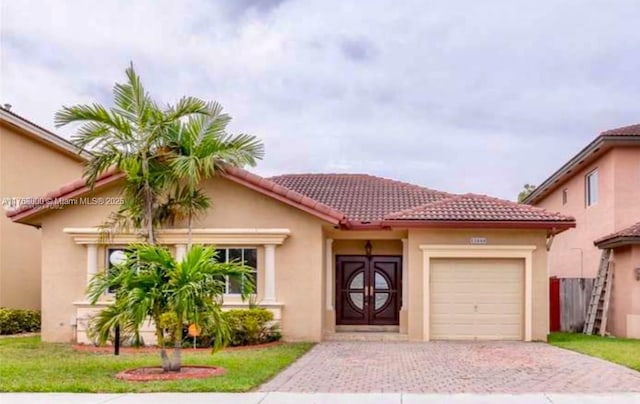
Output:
x=450 y=367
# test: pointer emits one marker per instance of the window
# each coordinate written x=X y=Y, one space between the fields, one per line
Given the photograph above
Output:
x=248 y=256
x=591 y=188
x=115 y=256
x=564 y=196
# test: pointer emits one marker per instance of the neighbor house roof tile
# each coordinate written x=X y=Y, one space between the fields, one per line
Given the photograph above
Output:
x=630 y=233
x=631 y=130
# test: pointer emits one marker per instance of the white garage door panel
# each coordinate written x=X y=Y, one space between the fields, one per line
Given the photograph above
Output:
x=477 y=299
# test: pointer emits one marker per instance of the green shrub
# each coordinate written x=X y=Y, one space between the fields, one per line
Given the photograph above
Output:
x=246 y=327
x=252 y=326
x=15 y=321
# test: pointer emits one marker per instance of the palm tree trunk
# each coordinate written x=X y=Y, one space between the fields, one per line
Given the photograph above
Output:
x=166 y=363
x=176 y=364
x=148 y=202
x=189 y=231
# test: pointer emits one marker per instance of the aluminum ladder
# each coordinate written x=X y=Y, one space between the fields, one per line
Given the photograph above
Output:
x=596 y=321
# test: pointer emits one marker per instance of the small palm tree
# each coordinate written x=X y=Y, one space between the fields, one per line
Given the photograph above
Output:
x=151 y=285
x=131 y=137
x=201 y=148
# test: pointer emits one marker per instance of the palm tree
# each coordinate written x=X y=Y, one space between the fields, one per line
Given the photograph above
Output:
x=151 y=285
x=201 y=148
x=164 y=153
x=130 y=137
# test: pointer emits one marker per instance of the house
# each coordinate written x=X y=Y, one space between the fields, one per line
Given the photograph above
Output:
x=624 y=319
x=32 y=161
x=333 y=253
x=600 y=187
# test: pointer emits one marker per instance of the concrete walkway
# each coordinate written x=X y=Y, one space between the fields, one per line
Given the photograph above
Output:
x=296 y=398
x=451 y=368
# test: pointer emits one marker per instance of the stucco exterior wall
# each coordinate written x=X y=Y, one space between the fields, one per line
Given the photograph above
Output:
x=540 y=281
x=626 y=186
x=299 y=274
x=573 y=254
x=298 y=260
x=633 y=317
x=624 y=317
x=27 y=169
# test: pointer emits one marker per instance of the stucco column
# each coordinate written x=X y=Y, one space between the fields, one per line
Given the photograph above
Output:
x=92 y=261
x=329 y=272
x=528 y=296
x=405 y=274
x=181 y=250
x=269 y=273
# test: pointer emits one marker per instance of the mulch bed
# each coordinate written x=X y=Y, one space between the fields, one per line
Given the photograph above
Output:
x=155 y=373
x=154 y=349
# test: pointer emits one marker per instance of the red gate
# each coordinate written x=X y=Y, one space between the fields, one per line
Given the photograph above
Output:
x=554 y=304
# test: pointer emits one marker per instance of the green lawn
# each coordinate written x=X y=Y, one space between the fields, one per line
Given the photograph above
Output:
x=26 y=364
x=623 y=351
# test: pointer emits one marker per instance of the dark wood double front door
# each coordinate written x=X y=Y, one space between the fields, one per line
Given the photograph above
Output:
x=368 y=290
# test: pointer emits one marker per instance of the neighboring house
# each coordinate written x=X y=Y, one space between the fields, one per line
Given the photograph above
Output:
x=624 y=317
x=32 y=161
x=333 y=253
x=600 y=187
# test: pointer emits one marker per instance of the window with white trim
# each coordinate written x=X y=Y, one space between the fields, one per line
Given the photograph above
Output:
x=248 y=256
x=591 y=188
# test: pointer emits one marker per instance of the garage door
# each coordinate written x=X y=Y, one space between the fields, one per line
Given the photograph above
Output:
x=477 y=299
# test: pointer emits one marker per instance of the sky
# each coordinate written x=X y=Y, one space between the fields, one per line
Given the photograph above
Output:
x=475 y=96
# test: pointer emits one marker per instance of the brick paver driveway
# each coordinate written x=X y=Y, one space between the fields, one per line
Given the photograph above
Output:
x=451 y=367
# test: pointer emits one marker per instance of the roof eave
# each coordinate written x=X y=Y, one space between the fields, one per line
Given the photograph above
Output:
x=619 y=241
x=598 y=146
x=291 y=198
x=554 y=227
x=44 y=136
x=23 y=215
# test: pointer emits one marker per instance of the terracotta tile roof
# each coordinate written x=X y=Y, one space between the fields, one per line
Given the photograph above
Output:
x=352 y=201
x=631 y=130
x=472 y=207
x=631 y=233
x=361 y=197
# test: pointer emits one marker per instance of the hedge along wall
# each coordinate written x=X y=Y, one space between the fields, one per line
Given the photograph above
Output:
x=16 y=321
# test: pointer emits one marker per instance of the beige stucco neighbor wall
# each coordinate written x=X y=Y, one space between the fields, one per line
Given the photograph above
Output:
x=419 y=237
x=298 y=261
x=27 y=169
x=624 y=317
